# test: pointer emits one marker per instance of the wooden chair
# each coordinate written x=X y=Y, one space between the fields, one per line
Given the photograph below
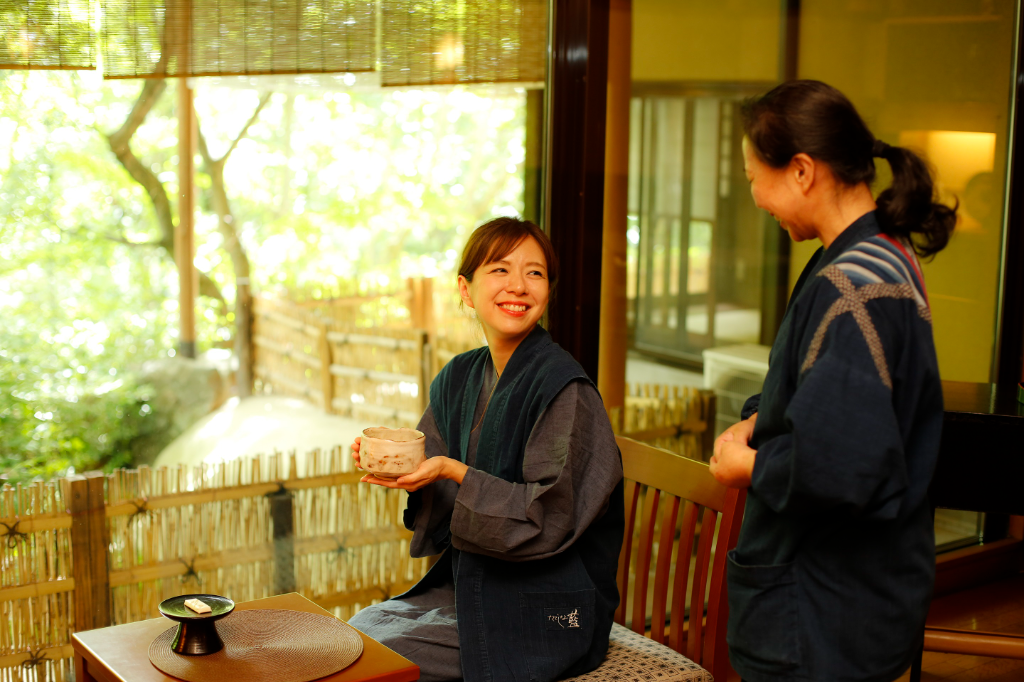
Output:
x=666 y=493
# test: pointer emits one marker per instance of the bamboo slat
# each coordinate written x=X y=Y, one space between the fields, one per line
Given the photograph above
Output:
x=35 y=524
x=675 y=418
x=37 y=589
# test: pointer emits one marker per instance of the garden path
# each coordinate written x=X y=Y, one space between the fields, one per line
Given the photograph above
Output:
x=258 y=425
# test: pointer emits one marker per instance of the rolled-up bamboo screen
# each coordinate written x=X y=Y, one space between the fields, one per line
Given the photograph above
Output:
x=473 y=41
x=47 y=34
x=158 y=38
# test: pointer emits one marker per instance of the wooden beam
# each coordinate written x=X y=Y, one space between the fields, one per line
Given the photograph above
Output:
x=611 y=363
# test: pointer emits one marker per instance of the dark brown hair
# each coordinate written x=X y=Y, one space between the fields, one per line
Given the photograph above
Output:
x=810 y=117
x=497 y=238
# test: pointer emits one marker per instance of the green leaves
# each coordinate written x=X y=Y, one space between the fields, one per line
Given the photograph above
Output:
x=329 y=189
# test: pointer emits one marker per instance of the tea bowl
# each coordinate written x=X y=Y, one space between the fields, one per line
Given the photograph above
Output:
x=391 y=453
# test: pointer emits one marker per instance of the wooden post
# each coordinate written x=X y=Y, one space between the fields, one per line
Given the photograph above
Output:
x=710 y=405
x=184 y=235
x=575 y=171
x=427 y=296
x=89 y=542
x=326 y=378
x=426 y=365
x=611 y=362
x=533 y=172
x=415 y=302
x=282 y=516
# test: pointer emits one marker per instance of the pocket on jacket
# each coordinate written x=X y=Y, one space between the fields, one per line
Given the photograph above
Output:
x=764 y=618
x=557 y=628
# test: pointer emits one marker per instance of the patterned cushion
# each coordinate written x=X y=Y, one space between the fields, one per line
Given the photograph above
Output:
x=635 y=657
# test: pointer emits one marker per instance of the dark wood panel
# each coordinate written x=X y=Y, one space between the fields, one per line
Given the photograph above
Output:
x=575 y=200
x=1010 y=363
x=981 y=458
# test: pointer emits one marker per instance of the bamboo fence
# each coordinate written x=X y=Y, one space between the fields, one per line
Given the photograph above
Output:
x=677 y=418
x=376 y=373
x=92 y=551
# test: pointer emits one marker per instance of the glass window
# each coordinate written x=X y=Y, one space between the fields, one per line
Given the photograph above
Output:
x=934 y=76
x=707 y=272
x=702 y=262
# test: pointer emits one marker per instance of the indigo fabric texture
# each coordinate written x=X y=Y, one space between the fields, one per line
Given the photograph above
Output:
x=530 y=540
x=832 y=575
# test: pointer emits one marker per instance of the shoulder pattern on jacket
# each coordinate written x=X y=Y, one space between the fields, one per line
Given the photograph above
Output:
x=878 y=267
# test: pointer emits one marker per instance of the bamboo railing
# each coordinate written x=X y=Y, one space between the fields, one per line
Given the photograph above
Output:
x=96 y=550
x=676 y=418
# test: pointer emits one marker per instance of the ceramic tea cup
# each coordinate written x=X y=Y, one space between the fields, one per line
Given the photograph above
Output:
x=391 y=453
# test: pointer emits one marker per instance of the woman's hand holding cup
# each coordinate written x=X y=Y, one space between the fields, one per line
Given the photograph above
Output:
x=355 y=451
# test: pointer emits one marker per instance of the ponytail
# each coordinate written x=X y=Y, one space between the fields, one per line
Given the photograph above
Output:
x=907 y=209
x=805 y=116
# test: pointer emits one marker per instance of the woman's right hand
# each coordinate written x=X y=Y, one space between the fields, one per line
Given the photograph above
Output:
x=740 y=432
x=355 y=451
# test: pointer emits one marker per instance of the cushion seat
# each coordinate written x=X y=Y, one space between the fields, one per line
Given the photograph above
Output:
x=634 y=657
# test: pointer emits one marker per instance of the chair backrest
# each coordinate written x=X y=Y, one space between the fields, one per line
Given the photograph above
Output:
x=670 y=502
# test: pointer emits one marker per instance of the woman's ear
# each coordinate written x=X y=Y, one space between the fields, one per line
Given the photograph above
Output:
x=802 y=169
x=464 y=291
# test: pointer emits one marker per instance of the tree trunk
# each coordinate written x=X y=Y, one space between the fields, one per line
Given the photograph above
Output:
x=239 y=258
x=119 y=142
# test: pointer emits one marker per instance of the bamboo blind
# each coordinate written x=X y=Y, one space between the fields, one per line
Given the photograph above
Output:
x=47 y=34
x=158 y=38
x=427 y=42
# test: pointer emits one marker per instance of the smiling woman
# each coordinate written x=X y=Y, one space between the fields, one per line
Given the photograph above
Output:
x=521 y=492
x=507 y=272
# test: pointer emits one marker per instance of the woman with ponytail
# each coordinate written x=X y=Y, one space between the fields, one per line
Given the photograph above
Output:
x=832 y=575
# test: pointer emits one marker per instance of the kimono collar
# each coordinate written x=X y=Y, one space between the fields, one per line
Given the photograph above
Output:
x=860 y=229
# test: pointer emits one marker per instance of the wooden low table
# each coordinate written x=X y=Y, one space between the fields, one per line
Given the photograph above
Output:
x=121 y=653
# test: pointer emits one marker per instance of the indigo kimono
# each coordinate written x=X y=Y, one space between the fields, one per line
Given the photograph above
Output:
x=832 y=576
x=529 y=543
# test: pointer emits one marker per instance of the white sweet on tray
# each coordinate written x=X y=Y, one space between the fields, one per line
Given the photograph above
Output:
x=198 y=606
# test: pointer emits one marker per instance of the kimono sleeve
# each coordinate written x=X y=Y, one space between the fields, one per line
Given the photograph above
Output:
x=842 y=450
x=428 y=511
x=571 y=466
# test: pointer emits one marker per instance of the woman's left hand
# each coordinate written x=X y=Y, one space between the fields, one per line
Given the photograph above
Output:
x=732 y=465
x=428 y=472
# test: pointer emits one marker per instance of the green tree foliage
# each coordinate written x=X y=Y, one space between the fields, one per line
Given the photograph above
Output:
x=327 y=188
x=334 y=186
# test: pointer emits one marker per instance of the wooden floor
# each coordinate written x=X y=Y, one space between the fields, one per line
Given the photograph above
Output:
x=998 y=607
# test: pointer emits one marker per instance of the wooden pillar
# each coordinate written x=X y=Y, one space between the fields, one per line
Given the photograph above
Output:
x=575 y=191
x=533 y=185
x=282 y=516
x=184 y=235
x=611 y=362
x=89 y=542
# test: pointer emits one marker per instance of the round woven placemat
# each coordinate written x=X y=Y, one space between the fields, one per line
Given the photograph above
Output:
x=265 y=644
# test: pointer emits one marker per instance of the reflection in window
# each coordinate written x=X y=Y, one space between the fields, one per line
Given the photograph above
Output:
x=696 y=242
x=935 y=76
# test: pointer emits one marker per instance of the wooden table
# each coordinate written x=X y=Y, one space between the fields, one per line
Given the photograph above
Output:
x=121 y=653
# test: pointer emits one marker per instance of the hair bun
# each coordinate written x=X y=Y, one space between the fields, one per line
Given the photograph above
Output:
x=880 y=148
